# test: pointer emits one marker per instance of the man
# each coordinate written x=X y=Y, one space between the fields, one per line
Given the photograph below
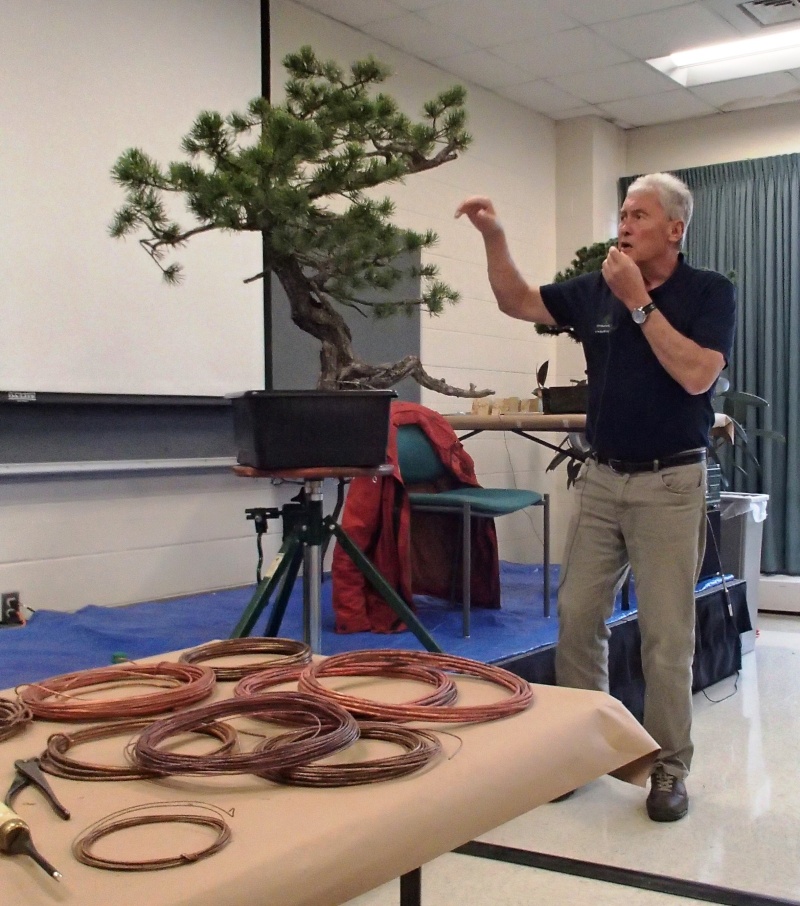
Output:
x=656 y=334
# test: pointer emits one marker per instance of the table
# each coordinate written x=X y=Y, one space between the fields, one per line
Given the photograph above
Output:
x=527 y=424
x=313 y=847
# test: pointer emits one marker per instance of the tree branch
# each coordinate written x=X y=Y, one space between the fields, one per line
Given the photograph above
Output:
x=380 y=377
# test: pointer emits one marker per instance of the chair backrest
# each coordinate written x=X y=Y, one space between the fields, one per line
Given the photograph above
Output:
x=418 y=461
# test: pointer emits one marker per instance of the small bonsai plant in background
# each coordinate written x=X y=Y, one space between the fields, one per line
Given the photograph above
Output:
x=572 y=397
x=300 y=174
x=588 y=259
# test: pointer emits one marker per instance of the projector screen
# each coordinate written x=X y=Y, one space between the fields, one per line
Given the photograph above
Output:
x=83 y=80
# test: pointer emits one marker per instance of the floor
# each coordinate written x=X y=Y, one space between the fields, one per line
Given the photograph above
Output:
x=742 y=831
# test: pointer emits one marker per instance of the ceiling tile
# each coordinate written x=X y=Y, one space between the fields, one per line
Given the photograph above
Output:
x=355 y=12
x=612 y=83
x=590 y=11
x=562 y=52
x=587 y=110
x=414 y=5
x=417 y=37
x=482 y=68
x=507 y=21
x=731 y=11
x=756 y=91
x=542 y=96
x=661 y=33
x=567 y=58
x=658 y=108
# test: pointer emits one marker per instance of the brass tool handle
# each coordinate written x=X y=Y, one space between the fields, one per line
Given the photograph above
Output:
x=15 y=839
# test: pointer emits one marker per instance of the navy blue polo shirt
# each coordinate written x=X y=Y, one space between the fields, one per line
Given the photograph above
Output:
x=636 y=410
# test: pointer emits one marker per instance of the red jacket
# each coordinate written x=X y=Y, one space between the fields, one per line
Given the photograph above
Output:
x=377 y=517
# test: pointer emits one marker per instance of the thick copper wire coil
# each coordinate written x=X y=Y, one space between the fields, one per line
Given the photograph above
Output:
x=256 y=683
x=56 y=698
x=54 y=760
x=288 y=652
x=444 y=692
x=14 y=715
x=419 y=748
x=332 y=729
x=388 y=662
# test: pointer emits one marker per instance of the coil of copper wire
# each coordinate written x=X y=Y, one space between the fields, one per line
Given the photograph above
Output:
x=136 y=816
x=14 y=715
x=54 y=760
x=63 y=698
x=444 y=691
x=419 y=748
x=285 y=652
x=389 y=662
x=256 y=683
x=333 y=730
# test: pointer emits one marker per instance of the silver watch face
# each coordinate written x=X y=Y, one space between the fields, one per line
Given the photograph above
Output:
x=639 y=315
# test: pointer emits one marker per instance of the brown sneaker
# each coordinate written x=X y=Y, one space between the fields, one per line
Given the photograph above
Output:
x=668 y=799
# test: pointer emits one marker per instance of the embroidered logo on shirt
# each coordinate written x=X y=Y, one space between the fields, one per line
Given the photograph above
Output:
x=604 y=326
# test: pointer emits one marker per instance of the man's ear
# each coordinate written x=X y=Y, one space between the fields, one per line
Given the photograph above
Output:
x=676 y=230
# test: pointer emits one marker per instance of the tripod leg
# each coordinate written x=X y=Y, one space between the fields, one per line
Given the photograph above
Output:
x=266 y=586
x=275 y=619
x=383 y=588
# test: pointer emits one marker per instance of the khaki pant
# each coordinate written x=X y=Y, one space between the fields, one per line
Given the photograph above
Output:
x=655 y=521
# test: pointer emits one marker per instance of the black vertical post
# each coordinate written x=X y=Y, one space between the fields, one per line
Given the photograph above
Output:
x=266 y=61
x=411 y=888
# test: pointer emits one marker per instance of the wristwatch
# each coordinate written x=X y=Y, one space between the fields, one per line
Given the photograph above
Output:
x=639 y=315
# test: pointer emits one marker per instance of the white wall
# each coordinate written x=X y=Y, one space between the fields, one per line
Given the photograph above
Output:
x=83 y=80
x=762 y=132
x=66 y=543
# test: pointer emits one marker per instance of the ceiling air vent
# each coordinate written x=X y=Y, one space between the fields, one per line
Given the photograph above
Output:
x=772 y=12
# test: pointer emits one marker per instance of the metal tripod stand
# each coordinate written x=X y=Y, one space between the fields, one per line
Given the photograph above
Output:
x=306 y=533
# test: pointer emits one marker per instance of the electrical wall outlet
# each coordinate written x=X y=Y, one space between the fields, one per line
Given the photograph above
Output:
x=10 y=609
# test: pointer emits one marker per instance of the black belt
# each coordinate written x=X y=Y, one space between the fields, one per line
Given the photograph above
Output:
x=653 y=465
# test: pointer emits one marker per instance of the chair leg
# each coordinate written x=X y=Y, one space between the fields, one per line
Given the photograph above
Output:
x=546 y=551
x=466 y=565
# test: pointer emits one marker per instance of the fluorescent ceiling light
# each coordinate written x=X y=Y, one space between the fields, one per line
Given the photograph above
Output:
x=733 y=59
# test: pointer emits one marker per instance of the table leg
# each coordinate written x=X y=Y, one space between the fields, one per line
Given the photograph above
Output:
x=411 y=888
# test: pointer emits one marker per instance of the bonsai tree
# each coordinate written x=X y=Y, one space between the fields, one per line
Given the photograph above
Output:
x=299 y=173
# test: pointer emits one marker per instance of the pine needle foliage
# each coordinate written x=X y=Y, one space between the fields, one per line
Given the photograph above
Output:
x=301 y=173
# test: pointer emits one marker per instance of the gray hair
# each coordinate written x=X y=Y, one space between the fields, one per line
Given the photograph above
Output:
x=674 y=195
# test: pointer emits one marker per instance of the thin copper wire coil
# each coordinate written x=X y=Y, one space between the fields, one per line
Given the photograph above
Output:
x=444 y=693
x=132 y=817
x=288 y=652
x=420 y=747
x=388 y=662
x=14 y=715
x=56 y=698
x=54 y=759
x=333 y=729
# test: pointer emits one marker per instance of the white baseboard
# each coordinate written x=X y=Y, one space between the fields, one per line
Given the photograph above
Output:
x=779 y=594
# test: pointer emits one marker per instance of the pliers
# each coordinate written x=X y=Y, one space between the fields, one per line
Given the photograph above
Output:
x=29 y=772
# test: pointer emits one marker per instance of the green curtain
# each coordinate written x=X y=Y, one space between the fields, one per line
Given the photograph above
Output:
x=747 y=221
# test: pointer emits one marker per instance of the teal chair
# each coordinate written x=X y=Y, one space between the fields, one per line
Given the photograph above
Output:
x=420 y=464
